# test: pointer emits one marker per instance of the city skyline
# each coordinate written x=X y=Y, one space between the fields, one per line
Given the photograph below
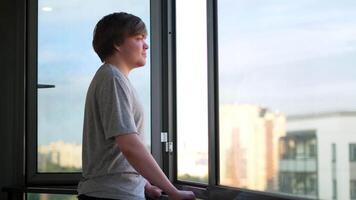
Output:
x=247 y=139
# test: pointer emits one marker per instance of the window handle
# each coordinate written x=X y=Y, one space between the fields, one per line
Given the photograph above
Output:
x=42 y=86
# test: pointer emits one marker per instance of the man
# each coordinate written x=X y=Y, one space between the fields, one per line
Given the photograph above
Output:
x=114 y=156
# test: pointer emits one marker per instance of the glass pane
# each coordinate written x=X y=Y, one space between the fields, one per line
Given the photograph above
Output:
x=287 y=95
x=192 y=114
x=33 y=196
x=352 y=170
x=353 y=189
x=67 y=60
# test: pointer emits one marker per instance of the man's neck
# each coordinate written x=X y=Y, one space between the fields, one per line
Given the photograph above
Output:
x=123 y=67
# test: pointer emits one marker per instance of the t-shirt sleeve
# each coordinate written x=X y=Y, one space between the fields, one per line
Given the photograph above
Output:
x=115 y=108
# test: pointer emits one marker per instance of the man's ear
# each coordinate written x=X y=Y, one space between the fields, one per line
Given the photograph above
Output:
x=117 y=47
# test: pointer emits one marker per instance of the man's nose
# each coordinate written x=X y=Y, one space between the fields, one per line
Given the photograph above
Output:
x=145 y=46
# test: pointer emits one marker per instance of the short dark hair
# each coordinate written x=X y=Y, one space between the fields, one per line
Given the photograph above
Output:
x=113 y=29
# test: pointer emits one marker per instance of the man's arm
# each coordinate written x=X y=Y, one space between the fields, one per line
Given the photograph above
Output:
x=137 y=155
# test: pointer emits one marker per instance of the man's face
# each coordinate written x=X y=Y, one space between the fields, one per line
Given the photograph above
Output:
x=133 y=50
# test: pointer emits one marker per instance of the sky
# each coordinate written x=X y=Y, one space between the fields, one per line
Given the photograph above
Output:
x=192 y=94
x=297 y=57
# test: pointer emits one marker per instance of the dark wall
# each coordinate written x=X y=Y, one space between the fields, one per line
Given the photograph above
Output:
x=12 y=65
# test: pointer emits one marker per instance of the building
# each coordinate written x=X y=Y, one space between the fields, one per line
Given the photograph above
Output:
x=318 y=156
x=66 y=155
x=249 y=137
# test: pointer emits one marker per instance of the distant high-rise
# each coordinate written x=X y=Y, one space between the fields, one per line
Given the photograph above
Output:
x=66 y=155
x=249 y=138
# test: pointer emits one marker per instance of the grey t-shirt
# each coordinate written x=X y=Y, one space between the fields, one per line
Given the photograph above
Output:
x=111 y=109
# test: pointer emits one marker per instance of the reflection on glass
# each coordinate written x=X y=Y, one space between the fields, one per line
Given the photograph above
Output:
x=67 y=60
x=192 y=118
x=287 y=94
x=33 y=196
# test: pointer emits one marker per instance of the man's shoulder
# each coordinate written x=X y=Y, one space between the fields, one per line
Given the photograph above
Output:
x=108 y=78
x=107 y=73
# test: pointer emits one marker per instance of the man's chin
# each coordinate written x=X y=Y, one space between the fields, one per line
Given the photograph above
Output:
x=140 y=64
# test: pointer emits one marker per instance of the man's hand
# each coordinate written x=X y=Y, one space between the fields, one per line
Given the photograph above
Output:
x=152 y=191
x=182 y=195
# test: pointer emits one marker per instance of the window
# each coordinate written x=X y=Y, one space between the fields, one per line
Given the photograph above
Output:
x=285 y=90
x=191 y=75
x=333 y=153
x=353 y=189
x=260 y=112
x=352 y=152
x=61 y=70
x=334 y=189
x=333 y=168
x=311 y=148
x=299 y=183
